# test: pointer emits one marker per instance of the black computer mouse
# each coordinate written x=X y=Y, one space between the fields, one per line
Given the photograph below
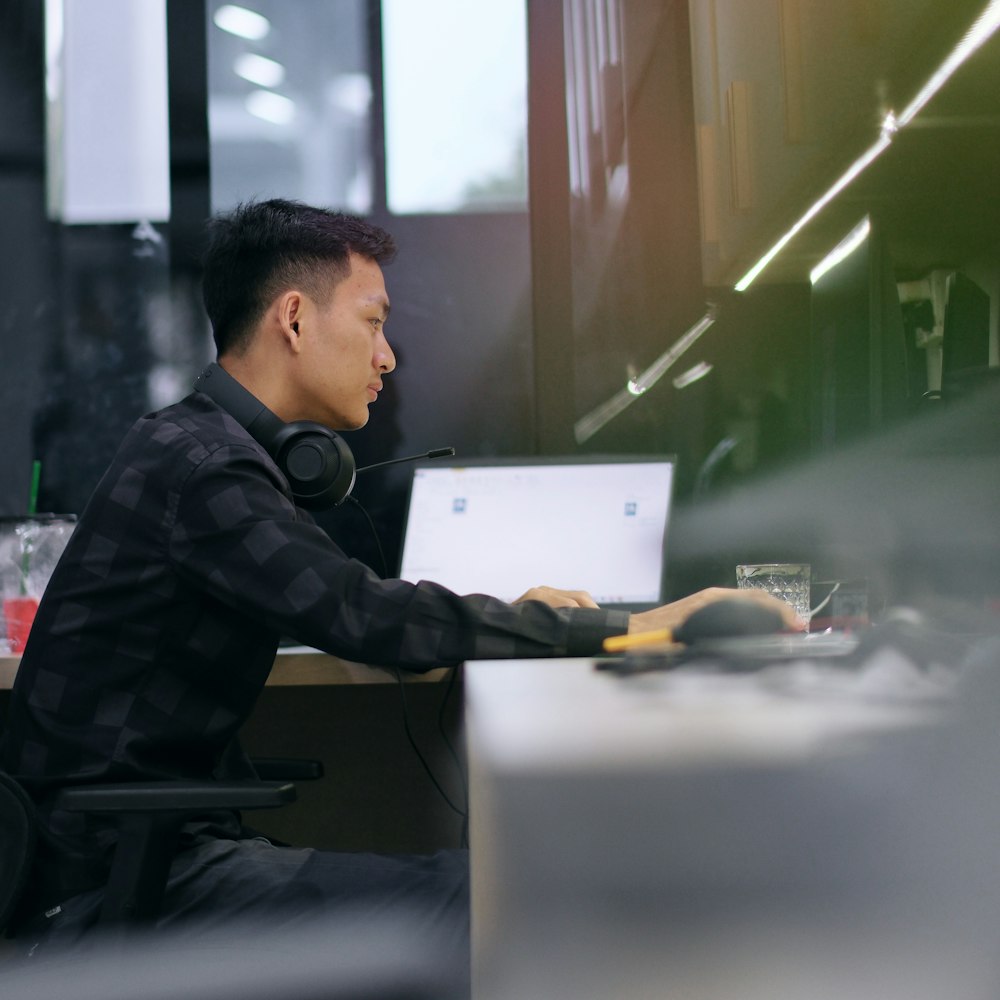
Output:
x=728 y=618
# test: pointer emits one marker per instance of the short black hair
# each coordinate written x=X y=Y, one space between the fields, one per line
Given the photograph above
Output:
x=263 y=248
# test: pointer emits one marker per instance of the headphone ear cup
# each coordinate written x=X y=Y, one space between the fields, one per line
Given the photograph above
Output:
x=318 y=463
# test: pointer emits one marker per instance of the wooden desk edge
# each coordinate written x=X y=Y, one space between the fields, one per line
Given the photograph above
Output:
x=8 y=668
x=295 y=669
x=322 y=668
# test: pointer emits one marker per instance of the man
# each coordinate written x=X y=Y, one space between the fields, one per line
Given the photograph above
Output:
x=159 y=626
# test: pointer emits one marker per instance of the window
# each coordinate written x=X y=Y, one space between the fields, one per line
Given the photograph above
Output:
x=455 y=105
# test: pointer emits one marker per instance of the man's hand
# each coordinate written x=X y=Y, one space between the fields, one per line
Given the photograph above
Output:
x=558 y=598
x=670 y=616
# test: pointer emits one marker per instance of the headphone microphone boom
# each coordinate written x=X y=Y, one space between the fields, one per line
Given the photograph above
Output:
x=433 y=453
x=317 y=462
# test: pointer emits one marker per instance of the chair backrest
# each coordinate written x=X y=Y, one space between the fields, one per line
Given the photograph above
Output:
x=17 y=844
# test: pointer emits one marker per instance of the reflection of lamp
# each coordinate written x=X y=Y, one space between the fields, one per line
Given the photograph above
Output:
x=586 y=427
x=351 y=92
x=692 y=375
x=710 y=466
x=242 y=22
x=259 y=69
x=271 y=107
x=107 y=150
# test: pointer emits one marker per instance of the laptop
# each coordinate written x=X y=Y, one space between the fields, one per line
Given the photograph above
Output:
x=502 y=526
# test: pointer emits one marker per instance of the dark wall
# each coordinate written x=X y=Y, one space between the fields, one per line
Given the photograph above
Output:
x=461 y=332
x=25 y=288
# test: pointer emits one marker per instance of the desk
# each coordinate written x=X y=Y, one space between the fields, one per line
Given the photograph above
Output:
x=683 y=834
x=294 y=666
x=376 y=795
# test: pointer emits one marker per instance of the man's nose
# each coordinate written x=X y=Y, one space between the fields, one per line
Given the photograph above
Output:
x=385 y=360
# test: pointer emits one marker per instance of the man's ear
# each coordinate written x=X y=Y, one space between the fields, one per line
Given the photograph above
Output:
x=288 y=313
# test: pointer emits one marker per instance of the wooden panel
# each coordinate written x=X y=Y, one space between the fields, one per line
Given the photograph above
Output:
x=739 y=114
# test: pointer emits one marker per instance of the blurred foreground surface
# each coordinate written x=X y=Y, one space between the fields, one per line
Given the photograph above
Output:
x=807 y=830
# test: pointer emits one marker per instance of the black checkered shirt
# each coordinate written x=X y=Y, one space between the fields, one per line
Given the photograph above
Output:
x=160 y=624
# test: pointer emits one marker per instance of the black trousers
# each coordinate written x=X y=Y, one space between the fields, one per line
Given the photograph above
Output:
x=217 y=884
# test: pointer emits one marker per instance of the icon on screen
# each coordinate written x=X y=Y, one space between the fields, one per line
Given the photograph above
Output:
x=631 y=508
x=458 y=505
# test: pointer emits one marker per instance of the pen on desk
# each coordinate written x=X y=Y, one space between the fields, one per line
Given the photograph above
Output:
x=617 y=643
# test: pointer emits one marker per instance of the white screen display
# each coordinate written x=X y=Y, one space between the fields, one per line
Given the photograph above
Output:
x=502 y=529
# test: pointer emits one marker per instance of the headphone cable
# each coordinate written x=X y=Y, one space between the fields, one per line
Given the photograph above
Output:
x=371 y=524
x=458 y=810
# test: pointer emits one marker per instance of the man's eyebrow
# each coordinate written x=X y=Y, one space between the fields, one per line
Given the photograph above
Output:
x=378 y=300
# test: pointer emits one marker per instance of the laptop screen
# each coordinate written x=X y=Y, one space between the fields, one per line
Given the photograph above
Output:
x=502 y=526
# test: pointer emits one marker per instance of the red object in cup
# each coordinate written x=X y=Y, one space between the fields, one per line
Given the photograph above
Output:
x=19 y=613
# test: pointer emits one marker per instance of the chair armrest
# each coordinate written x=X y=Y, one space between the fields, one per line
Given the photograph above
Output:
x=149 y=816
x=287 y=768
x=172 y=796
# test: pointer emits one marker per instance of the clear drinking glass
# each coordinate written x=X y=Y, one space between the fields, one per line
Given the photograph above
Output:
x=788 y=581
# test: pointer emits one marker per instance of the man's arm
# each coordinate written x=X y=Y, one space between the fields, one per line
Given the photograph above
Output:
x=239 y=539
x=670 y=616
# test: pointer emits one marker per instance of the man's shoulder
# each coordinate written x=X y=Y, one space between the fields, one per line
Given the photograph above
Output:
x=195 y=426
x=168 y=446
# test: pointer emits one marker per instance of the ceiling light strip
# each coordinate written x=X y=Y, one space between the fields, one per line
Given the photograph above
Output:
x=849 y=175
x=982 y=29
x=842 y=250
x=980 y=32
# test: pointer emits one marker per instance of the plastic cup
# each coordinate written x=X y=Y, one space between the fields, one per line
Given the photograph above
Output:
x=30 y=547
x=18 y=614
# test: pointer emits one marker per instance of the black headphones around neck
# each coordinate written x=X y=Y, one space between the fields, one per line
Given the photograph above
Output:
x=317 y=462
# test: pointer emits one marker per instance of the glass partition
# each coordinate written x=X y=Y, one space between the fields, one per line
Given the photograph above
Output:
x=289 y=102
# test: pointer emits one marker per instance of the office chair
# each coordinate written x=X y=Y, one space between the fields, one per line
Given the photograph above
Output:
x=340 y=958
x=17 y=844
x=149 y=817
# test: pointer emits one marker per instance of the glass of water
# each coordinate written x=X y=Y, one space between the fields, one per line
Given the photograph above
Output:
x=787 y=581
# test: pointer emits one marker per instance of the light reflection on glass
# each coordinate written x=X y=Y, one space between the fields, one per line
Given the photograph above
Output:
x=289 y=111
x=242 y=22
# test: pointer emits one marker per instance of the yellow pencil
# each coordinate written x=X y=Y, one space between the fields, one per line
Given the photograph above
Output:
x=617 y=643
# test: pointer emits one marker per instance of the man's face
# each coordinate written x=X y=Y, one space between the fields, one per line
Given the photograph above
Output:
x=344 y=351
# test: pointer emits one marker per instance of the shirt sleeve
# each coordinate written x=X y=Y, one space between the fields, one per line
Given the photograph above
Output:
x=237 y=536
